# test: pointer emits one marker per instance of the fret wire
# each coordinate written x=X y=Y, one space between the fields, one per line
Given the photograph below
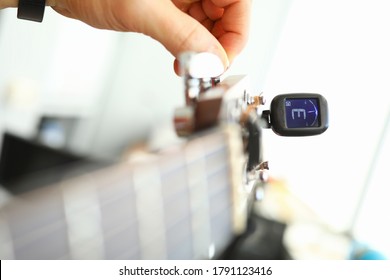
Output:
x=122 y=240
x=119 y=182
x=118 y=213
x=150 y=212
x=119 y=223
x=179 y=240
x=222 y=223
x=217 y=180
x=28 y=218
x=198 y=185
x=176 y=204
x=29 y=238
x=82 y=212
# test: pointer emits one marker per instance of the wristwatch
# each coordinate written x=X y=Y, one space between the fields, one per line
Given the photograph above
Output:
x=31 y=9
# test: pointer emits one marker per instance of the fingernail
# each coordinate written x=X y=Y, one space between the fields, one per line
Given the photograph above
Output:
x=220 y=52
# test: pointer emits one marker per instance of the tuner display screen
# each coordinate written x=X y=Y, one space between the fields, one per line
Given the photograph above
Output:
x=302 y=112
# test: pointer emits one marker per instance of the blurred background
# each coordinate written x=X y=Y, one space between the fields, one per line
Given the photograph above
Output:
x=92 y=93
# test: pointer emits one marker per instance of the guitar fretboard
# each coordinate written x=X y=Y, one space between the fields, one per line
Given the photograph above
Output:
x=178 y=204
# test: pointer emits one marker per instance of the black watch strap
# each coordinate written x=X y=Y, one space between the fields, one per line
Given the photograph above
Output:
x=31 y=9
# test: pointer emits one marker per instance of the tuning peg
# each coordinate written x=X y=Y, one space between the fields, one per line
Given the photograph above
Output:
x=200 y=65
x=200 y=71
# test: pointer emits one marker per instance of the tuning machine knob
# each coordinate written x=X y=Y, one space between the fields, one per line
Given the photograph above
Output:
x=200 y=71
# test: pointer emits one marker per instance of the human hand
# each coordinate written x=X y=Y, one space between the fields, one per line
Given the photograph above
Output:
x=217 y=26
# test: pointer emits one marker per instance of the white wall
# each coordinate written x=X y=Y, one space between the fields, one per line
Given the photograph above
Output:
x=341 y=50
x=57 y=67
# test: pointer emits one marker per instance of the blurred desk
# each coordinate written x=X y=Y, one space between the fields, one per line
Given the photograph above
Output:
x=26 y=164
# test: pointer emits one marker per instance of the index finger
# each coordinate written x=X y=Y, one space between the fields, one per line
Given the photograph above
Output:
x=232 y=29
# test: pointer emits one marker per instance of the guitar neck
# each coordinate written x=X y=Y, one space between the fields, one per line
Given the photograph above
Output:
x=185 y=202
x=182 y=203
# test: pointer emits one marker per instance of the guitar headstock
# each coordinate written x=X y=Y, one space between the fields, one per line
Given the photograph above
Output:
x=232 y=104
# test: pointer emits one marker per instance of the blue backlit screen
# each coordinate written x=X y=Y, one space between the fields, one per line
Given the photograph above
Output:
x=302 y=112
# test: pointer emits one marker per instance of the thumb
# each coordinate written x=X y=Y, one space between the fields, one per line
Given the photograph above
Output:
x=179 y=32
